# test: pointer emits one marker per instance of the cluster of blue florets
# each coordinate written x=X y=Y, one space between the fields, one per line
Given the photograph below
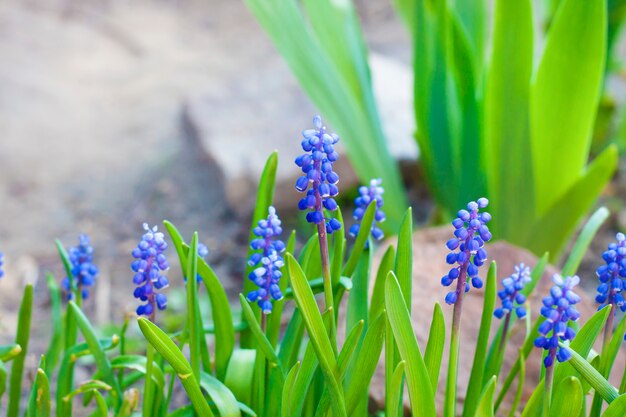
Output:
x=367 y=195
x=471 y=233
x=612 y=274
x=510 y=296
x=317 y=166
x=84 y=271
x=558 y=308
x=149 y=265
x=1 y=264
x=268 y=262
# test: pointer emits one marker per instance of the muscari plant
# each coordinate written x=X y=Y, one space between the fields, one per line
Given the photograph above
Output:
x=288 y=351
x=517 y=108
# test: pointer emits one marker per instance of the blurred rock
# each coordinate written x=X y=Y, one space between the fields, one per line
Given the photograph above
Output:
x=428 y=267
x=270 y=96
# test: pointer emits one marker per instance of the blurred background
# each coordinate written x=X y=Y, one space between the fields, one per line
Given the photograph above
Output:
x=114 y=113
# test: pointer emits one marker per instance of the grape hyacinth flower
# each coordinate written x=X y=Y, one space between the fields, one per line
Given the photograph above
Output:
x=510 y=296
x=149 y=265
x=471 y=233
x=366 y=195
x=558 y=308
x=319 y=178
x=84 y=271
x=1 y=264
x=612 y=274
x=267 y=275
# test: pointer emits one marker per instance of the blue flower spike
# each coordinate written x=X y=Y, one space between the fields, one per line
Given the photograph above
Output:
x=467 y=248
x=1 y=264
x=510 y=296
x=319 y=180
x=268 y=262
x=367 y=195
x=611 y=275
x=558 y=309
x=84 y=271
x=149 y=267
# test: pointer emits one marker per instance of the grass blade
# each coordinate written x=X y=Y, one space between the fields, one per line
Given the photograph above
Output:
x=478 y=366
x=22 y=338
x=172 y=354
x=418 y=380
x=317 y=332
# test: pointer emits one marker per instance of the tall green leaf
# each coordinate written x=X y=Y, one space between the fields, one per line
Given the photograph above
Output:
x=563 y=100
x=507 y=133
x=418 y=380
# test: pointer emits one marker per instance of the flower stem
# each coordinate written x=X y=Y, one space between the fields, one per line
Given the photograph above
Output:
x=328 y=285
x=449 y=409
x=547 y=398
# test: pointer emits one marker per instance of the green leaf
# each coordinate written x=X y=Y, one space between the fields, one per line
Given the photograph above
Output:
x=564 y=102
x=102 y=362
x=567 y=398
x=366 y=360
x=404 y=259
x=418 y=379
x=434 y=348
x=584 y=240
x=222 y=397
x=358 y=302
x=477 y=375
x=377 y=303
x=520 y=385
x=601 y=385
x=485 y=404
x=8 y=352
x=55 y=347
x=395 y=388
x=224 y=329
x=42 y=397
x=507 y=132
x=172 y=354
x=22 y=338
x=240 y=374
x=287 y=389
x=317 y=332
x=617 y=408
x=560 y=221
x=302 y=381
x=535 y=402
x=194 y=323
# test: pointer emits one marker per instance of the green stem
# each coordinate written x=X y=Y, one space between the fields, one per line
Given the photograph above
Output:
x=547 y=399
x=148 y=392
x=449 y=407
x=328 y=283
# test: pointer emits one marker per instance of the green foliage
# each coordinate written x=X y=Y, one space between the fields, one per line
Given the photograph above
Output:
x=522 y=121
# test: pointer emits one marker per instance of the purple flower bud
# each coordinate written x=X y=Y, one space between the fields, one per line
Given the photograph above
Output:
x=558 y=309
x=318 y=167
x=267 y=274
x=152 y=263
x=84 y=271
x=510 y=295
x=368 y=194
